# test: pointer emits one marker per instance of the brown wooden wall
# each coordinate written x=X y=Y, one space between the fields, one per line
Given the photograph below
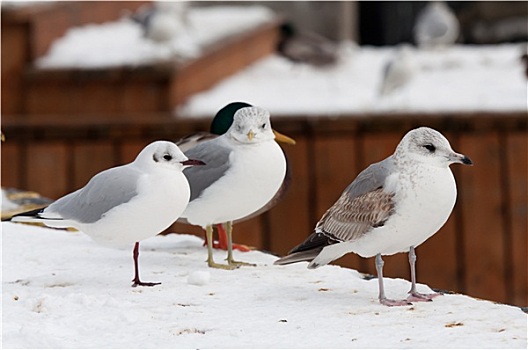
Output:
x=481 y=251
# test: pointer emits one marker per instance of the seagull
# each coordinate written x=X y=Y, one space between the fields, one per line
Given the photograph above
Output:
x=219 y=126
x=245 y=169
x=16 y=201
x=167 y=24
x=125 y=204
x=391 y=207
x=162 y=21
x=306 y=47
x=436 y=26
x=398 y=71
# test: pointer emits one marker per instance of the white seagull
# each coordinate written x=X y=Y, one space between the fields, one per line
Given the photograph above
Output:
x=221 y=122
x=125 y=204
x=245 y=169
x=391 y=207
x=163 y=21
x=436 y=26
x=398 y=71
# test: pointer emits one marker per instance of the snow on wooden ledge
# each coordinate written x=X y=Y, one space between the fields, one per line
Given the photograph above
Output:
x=62 y=290
x=462 y=78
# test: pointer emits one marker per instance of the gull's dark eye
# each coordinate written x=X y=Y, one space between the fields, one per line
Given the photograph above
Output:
x=167 y=157
x=263 y=126
x=430 y=147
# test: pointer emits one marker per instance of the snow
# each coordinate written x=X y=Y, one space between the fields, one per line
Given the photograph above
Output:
x=457 y=79
x=199 y=278
x=121 y=43
x=62 y=290
x=461 y=78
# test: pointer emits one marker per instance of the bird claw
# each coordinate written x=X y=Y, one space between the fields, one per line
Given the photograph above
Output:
x=223 y=246
x=144 y=284
x=419 y=297
x=239 y=263
x=221 y=266
x=391 y=302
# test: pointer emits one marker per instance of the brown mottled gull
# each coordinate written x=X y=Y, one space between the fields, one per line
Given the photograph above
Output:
x=391 y=207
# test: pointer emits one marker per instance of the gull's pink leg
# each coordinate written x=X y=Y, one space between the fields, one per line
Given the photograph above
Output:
x=413 y=294
x=382 y=298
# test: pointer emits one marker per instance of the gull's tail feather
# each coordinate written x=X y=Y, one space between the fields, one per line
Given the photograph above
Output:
x=33 y=217
x=307 y=255
x=27 y=216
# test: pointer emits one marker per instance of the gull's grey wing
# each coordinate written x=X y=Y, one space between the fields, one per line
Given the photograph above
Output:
x=216 y=159
x=190 y=141
x=103 y=192
x=370 y=179
x=363 y=206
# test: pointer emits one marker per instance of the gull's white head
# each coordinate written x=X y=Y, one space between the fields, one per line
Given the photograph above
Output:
x=426 y=145
x=251 y=125
x=164 y=154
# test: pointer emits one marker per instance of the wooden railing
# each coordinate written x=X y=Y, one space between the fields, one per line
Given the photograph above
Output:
x=481 y=251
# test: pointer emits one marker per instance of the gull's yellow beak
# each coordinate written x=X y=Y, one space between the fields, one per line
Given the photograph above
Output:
x=250 y=135
x=283 y=138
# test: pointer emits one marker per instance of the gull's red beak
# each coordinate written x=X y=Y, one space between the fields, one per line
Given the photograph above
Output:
x=192 y=162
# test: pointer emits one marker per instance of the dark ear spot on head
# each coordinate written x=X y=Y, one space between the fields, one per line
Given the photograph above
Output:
x=155 y=157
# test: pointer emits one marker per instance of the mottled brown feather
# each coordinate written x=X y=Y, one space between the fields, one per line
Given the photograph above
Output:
x=349 y=218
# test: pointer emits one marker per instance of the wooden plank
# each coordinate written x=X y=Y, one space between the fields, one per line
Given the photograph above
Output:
x=11 y=158
x=480 y=194
x=15 y=56
x=48 y=168
x=335 y=168
x=45 y=98
x=90 y=158
x=436 y=263
x=130 y=149
x=221 y=61
x=186 y=229
x=289 y=222
x=139 y=96
x=249 y=232
x=517 y=153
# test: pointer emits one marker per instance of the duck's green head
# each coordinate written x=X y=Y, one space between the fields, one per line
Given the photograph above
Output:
x=224 y=117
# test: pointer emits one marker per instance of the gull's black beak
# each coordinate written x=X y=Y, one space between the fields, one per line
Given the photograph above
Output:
x=459 y=158
x=465 y=160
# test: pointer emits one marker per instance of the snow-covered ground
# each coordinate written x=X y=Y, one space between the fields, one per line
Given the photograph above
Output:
x=458 y=79
x=122 y=42
x=62 y=290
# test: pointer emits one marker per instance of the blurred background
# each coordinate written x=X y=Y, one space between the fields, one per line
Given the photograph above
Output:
x=86 y=85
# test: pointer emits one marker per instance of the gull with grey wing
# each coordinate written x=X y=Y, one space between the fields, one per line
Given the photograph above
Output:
x=391 y=207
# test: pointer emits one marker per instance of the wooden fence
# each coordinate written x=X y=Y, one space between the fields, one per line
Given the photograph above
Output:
x=481 y=251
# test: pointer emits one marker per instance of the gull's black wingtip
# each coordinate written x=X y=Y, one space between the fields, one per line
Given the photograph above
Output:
x=29 y=213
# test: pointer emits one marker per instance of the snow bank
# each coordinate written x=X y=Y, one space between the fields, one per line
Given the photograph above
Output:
x=122 y=43
x=62 y=290
x=458 y=79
